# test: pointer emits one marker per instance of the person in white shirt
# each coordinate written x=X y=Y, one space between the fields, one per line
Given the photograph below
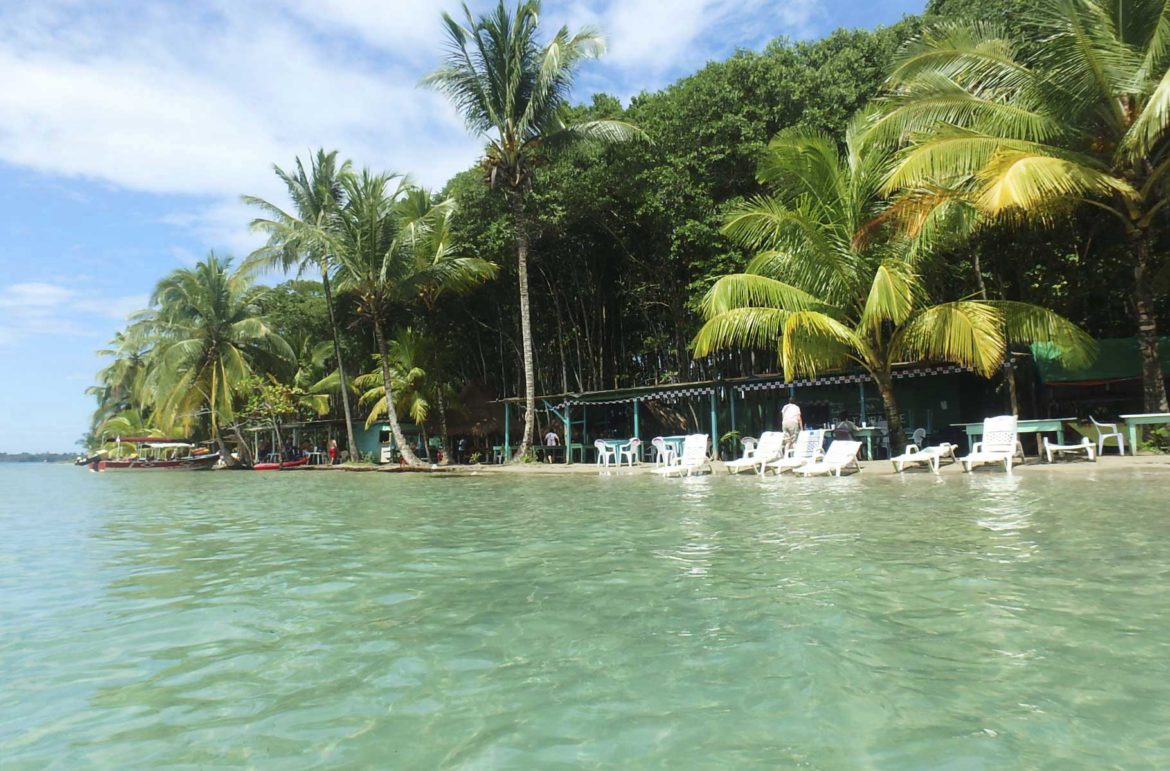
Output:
x=551 y=439
x=791 y=421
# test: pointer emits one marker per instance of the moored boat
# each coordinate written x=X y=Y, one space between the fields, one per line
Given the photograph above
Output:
x=287 y=464
x=156 y=454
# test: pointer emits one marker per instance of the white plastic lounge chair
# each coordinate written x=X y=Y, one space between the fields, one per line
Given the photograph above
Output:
x=605 y=453
x=770 y=447
x=693 y=458
x=749 y=445
x=999 y=444
x=931 y=456
x=840 y=455
x=1085 y=446
x=808 y=449
x=663 y=453
x=1108 y=431
x=629 y=451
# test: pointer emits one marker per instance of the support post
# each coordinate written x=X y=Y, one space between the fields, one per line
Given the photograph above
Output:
x=568 y=435
x=731 y=398
x=714 y=429
x=637 y=432
x=861 y=397
x=507 y=432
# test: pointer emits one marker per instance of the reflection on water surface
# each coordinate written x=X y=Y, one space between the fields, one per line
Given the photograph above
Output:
x=325 y=620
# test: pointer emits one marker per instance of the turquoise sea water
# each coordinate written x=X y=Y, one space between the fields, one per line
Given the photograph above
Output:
x=309 y=620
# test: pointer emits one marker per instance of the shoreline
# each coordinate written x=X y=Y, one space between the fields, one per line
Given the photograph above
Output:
x=870 y=469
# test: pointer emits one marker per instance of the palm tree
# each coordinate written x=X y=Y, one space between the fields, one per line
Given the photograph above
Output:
x=829 y=287
x=377 y=242
x=514 y=91
x=1078 y=112
x=211 y=340
x=120 y=385
x=301 y=239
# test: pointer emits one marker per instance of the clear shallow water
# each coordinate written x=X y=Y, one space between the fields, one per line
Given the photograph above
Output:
x=307 y=620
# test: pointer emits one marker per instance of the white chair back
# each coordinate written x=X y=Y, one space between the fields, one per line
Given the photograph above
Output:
x=999 y=434
x=771 y=444
x=809 y=444
x=694 y=451
x=919 y=437
x=841 y=451
x=749 y=444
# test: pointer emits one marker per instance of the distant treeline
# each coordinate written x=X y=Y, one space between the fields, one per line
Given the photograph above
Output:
x=36 y=457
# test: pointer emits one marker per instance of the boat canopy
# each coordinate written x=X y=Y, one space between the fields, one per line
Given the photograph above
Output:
x=167 y=445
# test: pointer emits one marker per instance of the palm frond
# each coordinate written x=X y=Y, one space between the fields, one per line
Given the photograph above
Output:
x=1026 y=323
x=966 y=333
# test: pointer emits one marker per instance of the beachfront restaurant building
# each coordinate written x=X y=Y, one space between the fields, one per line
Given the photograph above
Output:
x=930 y=397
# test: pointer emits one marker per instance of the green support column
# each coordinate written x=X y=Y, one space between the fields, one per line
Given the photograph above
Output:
x=585 y=427
x=568 y=435
x=731 y=398
x=861 y=392
x=637 y=432
x=507 y=433
x=714 y=429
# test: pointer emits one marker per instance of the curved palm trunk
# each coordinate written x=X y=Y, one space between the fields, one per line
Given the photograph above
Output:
x=897 y=436
x=1153 y=384
x=520 y=223
x=340 y=367
x=391 y=413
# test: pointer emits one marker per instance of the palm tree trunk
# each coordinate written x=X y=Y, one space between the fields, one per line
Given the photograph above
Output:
x=1009 y=372
x=897 y=435
x=340 y=368
x=444 y=440
x=1153 y=384
x=520 y=223
x=392 y=414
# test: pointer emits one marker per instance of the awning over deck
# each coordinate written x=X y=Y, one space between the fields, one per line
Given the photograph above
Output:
x=1117 y=359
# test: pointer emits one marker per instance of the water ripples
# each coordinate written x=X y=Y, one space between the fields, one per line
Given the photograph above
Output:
x=309 y=620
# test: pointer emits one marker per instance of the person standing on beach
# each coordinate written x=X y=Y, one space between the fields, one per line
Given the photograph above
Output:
x=791 y=421
x=332 y=452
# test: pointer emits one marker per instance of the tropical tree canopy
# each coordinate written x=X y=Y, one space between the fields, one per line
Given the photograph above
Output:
x=828 y=288
x=1076 y=111
x=211 y=338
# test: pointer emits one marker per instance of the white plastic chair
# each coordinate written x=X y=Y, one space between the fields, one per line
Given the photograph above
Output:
x=1108 y=431
x=629 y=450
x=931 y=456
x=839 y=456
x=605 y=453
x=1085 y=446
x=809 y=448
x=693 y=458
x=770 y=448
x=663 y=453
x=919 y=437
x=999 y=444
x=749 y=445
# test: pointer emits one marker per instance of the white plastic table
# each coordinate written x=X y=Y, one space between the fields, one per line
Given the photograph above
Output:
x=1145 y=419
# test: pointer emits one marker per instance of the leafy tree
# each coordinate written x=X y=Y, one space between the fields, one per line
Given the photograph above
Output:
x=1076 y=111
x=301 y=239
x=381 y=242
x=211 y=340
x=509 y=87
x=829 y=287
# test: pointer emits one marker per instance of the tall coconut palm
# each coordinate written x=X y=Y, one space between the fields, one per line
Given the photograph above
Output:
x=120 y=385
x=211 y=339
x=376 y=242
x=1077 y=110
x=829 y=288
x=513 y=91
x=300 y=239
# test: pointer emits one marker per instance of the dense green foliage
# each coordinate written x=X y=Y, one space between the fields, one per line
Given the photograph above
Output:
x=624 y=240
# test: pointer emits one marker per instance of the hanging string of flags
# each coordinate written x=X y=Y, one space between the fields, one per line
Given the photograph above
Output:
x=668 y=394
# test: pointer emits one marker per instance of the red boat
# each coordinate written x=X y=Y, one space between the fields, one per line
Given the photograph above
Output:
x=282 y=465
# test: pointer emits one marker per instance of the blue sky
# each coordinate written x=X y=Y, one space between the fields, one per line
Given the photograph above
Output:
x=129 y=129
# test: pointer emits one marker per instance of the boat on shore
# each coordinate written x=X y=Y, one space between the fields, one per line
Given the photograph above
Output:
x=154 y=454
x=287 y=464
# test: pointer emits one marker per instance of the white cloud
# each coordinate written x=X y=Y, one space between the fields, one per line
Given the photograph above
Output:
x=34 y=308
